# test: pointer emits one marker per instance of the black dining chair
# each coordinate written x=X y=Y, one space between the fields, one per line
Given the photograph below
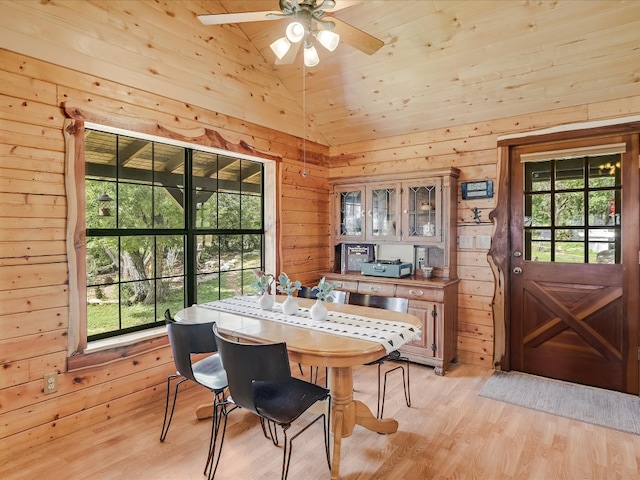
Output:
x=260 y=381
x=396 y=304
x=307 y=292
x=339 y=296
x=187 y=339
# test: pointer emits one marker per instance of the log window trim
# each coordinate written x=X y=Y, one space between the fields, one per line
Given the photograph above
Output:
x=73 y=132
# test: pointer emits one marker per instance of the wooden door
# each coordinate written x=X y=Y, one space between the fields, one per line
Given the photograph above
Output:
x=574 y=262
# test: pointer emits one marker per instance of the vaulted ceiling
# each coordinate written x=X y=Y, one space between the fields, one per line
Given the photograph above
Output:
x=451 y=62
x=444 y=62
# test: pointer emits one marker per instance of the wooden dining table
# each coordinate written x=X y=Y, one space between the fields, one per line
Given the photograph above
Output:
x=311 y=347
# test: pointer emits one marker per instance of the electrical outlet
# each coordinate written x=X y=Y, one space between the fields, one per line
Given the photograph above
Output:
x=50 y=383
x=483 y=242
x=465 y=241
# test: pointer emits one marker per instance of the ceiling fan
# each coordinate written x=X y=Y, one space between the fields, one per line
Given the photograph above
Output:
x=309 y=21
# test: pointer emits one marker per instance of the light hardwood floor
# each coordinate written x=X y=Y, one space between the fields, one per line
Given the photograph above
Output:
x=449 y=432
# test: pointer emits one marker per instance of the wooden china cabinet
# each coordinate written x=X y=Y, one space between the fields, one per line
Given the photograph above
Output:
x=416 y=208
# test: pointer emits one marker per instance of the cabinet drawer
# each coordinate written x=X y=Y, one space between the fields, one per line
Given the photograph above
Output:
x=346 y=285
x=420 y=293
x=371 y=288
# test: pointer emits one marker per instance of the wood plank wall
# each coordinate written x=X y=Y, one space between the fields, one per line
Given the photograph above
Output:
x=34 y=272
x=34 y=308
x=473 y=149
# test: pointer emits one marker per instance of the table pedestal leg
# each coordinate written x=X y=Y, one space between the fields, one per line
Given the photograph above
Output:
x=347 y=413
x=204 y=411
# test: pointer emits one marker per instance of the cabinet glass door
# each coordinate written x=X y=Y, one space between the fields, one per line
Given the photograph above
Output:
x=423 y=212
x=383 y=215
x=351 y=213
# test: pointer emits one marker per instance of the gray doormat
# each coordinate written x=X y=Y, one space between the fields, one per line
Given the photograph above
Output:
x=619 y=411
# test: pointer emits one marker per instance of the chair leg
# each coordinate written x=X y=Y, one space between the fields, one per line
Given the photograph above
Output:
x=214 y=457
x=288 y=442
x=167 y=423
x=273 y=431
x=407 y=387
x=327 y=429
x=405 y=384
x=286 y=454
x=313 y=377
x=378 y=411
x=218 y=399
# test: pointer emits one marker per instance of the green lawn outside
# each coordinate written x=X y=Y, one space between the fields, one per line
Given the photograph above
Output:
x=103 y=317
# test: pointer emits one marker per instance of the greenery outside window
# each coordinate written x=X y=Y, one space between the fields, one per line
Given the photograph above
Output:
x=572 y=210
x=166 y=226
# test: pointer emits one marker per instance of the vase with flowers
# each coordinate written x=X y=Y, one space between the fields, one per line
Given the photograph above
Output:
x=263 y=285
x=286 y=285
x=324 y=293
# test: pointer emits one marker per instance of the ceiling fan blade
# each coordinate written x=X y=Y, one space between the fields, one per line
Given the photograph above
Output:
x=355 y=37
x=291 y=54
x=222 y=18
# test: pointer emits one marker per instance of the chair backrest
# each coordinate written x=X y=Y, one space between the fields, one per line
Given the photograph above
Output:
x=246 y=362
x=307 y=292
x=339 y=296
x=189 y=338
x=396 y=304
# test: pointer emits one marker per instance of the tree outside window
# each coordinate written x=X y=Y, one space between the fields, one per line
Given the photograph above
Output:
x=155 y=244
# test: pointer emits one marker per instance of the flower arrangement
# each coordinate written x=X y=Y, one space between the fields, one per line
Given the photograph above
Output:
x=263 y=281
x=286 y=285
x=324 y=290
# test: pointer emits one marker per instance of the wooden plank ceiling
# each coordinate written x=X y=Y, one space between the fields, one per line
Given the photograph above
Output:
x=444 y=62
x=448 y=62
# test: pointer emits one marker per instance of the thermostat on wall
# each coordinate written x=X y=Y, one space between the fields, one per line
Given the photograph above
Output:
x=477 y=189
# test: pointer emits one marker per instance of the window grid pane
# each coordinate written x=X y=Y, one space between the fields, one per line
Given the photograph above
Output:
x=137 y=240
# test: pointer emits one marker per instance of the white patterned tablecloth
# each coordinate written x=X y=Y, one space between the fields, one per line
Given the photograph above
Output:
x=390 y=334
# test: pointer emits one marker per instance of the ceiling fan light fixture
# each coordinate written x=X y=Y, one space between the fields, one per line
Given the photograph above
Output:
x=280 y=47
x=311 y=58
x=328 y=39
x=295 y=32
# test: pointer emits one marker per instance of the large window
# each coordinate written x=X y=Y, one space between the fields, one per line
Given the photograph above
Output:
x=166 y=226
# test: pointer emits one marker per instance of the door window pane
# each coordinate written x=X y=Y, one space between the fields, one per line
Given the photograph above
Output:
x=569 y=174
x=538 y=176
x=538 y=210
x=569 y=209
x=569 y=252
x=604 y=171
x=602 y=208
x=572 y=210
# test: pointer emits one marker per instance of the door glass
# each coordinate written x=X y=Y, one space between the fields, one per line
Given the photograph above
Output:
x=572 y=210
x=351 y=213
x=383 y=212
